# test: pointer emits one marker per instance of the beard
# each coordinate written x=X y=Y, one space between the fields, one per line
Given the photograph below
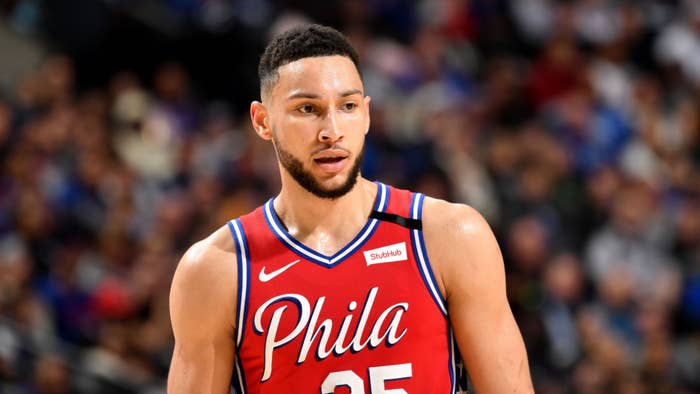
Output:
x=296 y=169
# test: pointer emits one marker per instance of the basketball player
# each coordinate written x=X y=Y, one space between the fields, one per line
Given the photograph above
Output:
x=339 y=284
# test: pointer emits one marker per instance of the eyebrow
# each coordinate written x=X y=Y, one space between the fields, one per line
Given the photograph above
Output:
x=350 y=92
x=308 y=95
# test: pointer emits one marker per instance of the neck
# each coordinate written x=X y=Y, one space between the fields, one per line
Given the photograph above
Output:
x=325 y=225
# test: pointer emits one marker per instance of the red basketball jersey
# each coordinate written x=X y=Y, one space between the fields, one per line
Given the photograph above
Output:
x=367 y=320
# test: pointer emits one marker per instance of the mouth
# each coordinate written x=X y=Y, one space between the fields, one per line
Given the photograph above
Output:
x=331 y=161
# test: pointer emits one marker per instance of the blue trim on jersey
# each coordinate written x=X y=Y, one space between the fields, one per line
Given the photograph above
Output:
x=275 y=225
x=243 y=266
x=243 y=259
x=383 y=204
x=451 y=362
x=426 y=271
x=239 y=377
x=421 y=254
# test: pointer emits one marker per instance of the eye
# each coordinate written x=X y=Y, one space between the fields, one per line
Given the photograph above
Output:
x=349 y=106
x=306 y=109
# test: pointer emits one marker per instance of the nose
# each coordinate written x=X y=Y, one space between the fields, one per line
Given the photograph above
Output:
x=330 y=133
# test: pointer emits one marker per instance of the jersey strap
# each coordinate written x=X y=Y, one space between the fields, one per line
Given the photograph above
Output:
x=411 y=224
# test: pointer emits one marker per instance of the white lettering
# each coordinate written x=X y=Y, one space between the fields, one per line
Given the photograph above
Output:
x=271 y=342
x=375 y=338
x=311 y=334
x=357 y=344
x=322 y=334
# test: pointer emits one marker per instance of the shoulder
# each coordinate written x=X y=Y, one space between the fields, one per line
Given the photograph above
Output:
x=454 y=221
x=210 y=257
x=204 y=285
x=461 y=245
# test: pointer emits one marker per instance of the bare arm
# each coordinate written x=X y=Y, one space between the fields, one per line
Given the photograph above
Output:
x=202 y=309
x=469 y=269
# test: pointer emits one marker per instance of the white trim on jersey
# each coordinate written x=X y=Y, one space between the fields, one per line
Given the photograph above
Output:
x=241 y=378
x=243 y=273
x=422 y=254
x=243 y=257
x=453 y=365
x=310 y=254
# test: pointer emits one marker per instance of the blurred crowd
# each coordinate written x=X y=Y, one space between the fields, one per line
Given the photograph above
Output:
x=572 y=126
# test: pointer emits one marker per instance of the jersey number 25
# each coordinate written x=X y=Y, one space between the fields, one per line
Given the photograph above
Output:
x=377 y=377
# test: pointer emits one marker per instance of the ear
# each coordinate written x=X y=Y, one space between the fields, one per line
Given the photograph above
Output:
x=258 y=116
x=366 y=101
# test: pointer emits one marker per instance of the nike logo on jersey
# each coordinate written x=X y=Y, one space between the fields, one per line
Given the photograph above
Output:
x=264 y=277
x=386 y=254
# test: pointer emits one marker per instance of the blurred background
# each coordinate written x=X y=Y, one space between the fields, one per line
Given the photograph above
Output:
x=572 y=126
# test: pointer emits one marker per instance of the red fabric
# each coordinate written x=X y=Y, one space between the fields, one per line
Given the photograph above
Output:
x=425 y=343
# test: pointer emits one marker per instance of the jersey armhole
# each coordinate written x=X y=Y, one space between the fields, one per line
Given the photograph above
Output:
x=421 y=254
x=243 y=270
x=426 y=272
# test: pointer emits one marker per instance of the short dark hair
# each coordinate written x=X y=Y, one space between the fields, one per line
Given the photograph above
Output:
x=298 y=43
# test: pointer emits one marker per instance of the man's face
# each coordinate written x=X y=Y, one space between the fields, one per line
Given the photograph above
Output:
x=318 y=117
